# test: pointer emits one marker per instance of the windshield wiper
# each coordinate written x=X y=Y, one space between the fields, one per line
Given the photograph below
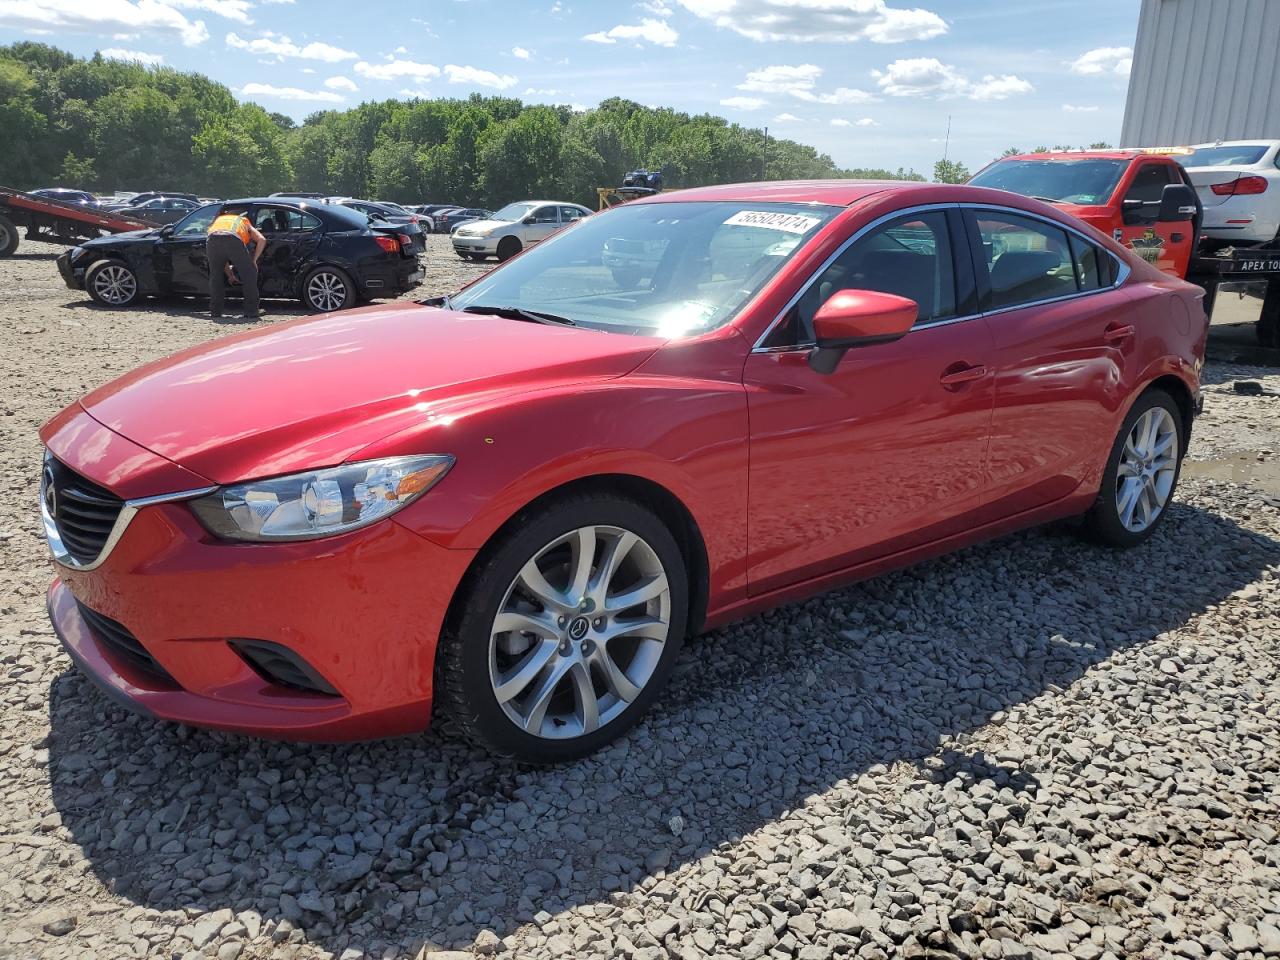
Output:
x=1045 y=199
x=519 y=313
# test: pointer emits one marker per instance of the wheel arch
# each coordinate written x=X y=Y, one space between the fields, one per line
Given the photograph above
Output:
x=1177 y=388
x=669 y=508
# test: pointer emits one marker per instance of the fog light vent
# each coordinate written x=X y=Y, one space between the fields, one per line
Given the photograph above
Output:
x=280 y=665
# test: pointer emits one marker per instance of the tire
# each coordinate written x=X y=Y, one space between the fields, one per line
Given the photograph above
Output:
x=546 y=715
x=8 y=237
x=112 y=283
x=508 y=247
x=1137 y=488
x=327 y=289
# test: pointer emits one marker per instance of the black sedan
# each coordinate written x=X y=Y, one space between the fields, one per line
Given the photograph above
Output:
x=329 y=257
x=160 y=209
x=456 y=217
x=81 y=198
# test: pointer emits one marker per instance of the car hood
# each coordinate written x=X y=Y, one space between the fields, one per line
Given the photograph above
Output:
x=485 y=224
x=313 y=392
x=127 y=236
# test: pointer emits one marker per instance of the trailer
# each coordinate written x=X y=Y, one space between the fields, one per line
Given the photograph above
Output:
x=1259 y=265
x=53 y=221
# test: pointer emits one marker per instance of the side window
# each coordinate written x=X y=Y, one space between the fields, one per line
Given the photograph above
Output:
x=1087 y=258
x=1026 y=259
x=1148 y=186
x=545 y=215
x=283 y=220
x=910 y=256
x=197 y=222
x=570 y=214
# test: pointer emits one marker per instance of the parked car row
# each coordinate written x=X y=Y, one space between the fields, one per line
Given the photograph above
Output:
x=513 y=228
x=328 y=256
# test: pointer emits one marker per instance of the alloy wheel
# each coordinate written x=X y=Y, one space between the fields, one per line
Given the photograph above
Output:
x=115 y=285
x=1148 y=465
x=6 y=236
x=579 y=632
x=326 y=291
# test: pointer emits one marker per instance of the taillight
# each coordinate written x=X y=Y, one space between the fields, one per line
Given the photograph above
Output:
x=413 y=219
x=1242 y=187
x=405 y=240
x=389 y=244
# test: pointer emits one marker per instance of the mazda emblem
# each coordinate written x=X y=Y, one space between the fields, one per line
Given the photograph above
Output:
x=578 y=629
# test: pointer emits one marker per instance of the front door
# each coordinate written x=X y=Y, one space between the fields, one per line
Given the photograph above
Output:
x=888 y=452
x=1166 y=244
x=543 y=222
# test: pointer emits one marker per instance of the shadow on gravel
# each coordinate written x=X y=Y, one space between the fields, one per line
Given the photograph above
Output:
x=389 y=845
x=195 y=309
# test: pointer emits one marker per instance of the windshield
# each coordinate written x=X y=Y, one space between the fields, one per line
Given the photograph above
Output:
x=661 y=269
x=1086 y=181
x=1234 y=155
x=513 y=211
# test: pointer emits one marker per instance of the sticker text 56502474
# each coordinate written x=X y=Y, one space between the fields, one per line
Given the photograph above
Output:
x=786 y=222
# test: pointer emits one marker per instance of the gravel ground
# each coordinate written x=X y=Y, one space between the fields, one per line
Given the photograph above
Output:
x=1033 y=748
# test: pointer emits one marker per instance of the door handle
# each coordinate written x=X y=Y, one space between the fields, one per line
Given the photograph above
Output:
x=1118 y=332
x=955 y=375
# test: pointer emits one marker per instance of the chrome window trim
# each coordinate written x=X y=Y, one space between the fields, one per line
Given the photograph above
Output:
x=130 y=509
x=1122 y=273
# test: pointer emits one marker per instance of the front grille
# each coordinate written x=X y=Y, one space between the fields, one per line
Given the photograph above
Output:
x=117 y=638
x=83 y=511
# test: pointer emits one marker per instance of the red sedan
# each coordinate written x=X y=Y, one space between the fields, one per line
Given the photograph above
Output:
x=516 y=504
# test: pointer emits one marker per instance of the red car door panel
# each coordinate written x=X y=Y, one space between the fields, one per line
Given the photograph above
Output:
x=877 y=457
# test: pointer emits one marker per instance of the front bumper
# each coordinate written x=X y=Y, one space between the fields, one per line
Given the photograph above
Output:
x=73 y=277
x=363 y=610
x=484 y=245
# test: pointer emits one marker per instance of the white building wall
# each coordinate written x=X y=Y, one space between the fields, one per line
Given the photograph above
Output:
x=1204 y=70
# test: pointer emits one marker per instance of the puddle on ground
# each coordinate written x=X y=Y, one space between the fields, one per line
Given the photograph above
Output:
x=1242 y=468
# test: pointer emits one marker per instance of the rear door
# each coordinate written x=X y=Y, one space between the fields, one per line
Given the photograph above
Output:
x=1063 y=330
x=293 y=236
x=1166 y=245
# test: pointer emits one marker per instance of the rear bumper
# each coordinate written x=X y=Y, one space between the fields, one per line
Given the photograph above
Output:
x=392 y=278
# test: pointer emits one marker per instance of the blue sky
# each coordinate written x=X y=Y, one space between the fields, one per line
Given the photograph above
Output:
x=871 y=82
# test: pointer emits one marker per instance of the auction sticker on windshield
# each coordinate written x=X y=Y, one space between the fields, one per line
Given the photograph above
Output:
x=786 y=222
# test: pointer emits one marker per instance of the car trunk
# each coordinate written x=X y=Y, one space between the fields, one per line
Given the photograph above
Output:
x=417 y=243
x=1203 y=178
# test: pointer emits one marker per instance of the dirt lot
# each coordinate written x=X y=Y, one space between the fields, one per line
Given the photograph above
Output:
x=1034 y=748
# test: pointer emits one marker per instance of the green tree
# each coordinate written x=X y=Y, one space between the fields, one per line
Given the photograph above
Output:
x=950 y=171
x=77 y=172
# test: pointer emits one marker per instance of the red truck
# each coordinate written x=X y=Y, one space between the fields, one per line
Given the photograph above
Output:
x=1144 y=199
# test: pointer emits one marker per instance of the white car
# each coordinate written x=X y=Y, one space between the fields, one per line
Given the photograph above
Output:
x=514 y=227
x=1239 y=186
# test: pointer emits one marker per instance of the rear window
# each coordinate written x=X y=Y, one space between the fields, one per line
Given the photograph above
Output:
x=345 y=217
x=1237 y=155
x=1083 y=181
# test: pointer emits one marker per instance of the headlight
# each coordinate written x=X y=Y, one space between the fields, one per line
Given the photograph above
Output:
x=319 y=503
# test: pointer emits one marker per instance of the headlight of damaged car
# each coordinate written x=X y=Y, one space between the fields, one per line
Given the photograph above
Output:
x=319 y=503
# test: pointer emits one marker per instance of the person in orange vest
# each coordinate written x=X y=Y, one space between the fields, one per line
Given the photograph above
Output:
x=227 y=245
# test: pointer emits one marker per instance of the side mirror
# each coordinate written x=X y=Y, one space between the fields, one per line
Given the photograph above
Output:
x=167 y=230
x=858 y=318
x=530 y=219
x=1177 y=202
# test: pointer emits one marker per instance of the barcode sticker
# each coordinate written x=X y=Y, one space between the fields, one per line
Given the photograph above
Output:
x=786 y=222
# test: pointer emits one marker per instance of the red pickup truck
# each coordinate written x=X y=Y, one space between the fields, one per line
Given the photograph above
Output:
x=1144 y=199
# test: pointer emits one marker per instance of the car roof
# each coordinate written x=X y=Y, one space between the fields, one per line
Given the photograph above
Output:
x=838 y=193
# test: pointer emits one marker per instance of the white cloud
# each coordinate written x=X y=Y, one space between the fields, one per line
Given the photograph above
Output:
x=929 y=77
x=866 y=122
x=477 y=77
x=520 y=53
x=401 y=49
x=122 y=18
x=658 y=8
x=541 y=92
x=1006 y=85
x=743 y=103
x=398 y=69
x=231 y=9
x=412 y=94
x=1074 y=108
x=840 y=123
x=288 y=93
x=785 y=118
x=799 y=81
x=782 y=78
x=831 y=21
x=657 y=32
x=341 y=83
x=280 y=46
x=150 y=59
x=1114 y=60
